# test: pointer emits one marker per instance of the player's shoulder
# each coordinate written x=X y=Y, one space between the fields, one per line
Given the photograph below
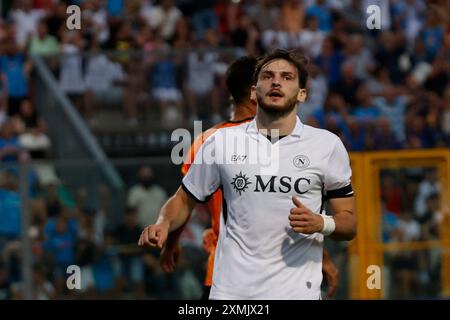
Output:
x=230 y=126
x=320 y=135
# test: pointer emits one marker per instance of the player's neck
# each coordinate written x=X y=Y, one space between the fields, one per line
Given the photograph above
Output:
x=284 y=124
x=243 y=111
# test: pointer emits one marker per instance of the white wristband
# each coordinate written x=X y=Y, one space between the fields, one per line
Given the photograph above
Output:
x=328 y=225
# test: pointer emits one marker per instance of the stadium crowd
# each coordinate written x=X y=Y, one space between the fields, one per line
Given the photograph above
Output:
x=384 y=89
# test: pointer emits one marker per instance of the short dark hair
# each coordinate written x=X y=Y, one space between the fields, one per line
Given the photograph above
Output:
x=297 y=58
x=239 y=78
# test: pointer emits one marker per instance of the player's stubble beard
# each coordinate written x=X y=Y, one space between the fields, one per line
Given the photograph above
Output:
x=277 y=112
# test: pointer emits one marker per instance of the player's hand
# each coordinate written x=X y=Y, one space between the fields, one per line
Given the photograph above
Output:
x=169 y=257
x=304 y=220
x=209 y=239
x=331 y=274
x=155 y=235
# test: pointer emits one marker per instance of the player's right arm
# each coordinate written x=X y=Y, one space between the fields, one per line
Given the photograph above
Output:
x=174 y=213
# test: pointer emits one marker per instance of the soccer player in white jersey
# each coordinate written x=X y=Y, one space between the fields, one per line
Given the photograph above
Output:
x=272 y=227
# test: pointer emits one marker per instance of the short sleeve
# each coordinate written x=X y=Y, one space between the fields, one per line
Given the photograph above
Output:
x=203 y=177
x=338 y=173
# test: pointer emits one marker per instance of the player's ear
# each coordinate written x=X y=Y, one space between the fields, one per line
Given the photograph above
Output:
x=253 y=93
x=301 y=96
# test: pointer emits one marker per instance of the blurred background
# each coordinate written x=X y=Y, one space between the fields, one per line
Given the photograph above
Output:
x=86 y=118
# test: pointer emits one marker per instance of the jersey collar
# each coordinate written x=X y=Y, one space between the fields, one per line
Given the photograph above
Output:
x=253 y=129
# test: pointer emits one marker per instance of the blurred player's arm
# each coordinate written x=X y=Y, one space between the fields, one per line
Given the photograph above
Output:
x=330 y=273
x=174 y=213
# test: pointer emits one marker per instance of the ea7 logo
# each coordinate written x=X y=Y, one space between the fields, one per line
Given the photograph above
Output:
x=238 y=158
x=374 y=19
x=74 y=20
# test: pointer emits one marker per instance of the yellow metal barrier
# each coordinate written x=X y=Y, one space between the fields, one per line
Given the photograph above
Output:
x=367 y=248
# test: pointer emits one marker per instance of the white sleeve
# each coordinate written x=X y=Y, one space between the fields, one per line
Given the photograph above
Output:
x=338 y=173
x=203 y=176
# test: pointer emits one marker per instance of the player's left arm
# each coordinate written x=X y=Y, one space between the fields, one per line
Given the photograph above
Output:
x=344 y=218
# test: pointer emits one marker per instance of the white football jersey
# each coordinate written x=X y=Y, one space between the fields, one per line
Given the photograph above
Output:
x=258 y=255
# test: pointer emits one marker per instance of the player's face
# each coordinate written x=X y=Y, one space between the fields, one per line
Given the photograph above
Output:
x=277 y=89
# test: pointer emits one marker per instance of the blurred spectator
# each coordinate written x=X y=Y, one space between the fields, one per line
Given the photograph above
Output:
x=329 y=60
x=317 y=87
x=56 y=20
x=383 y=137
x=358 y=55
x=9 y=207
x=16 y=68
x=3 y=99
x=95 y=15
x=200 y=82
x=183 y=35
x=292 y=14
x=147 y=197
x=165 y=90
x=60 y=242
x=246 y=35
x=390 y=224
x=431 y=219
x=405 y=262
x=26 y=20
x=33 y=136
x=445 y=120
x=204 y=18
x=392 y=106
x=106 y=268
x=131 y=262
x=10 y=148
x=365 y=112
x=322 y=11
x=391 y=193
x=115 y=8
x=71 y=71
x=277 y=37
x=311 y=38
x=266 y=13
x=42 y=42
x=102 y=81
x=354 y=16
x=389 y=52
x=5 y=291
x=428 y=186
x=348 y=85
x=163 y=18
x=407 y=15
x=43 y=289
x=432 y=32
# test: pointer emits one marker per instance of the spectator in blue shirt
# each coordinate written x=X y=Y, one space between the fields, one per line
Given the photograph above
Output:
x=322 y=12
x=10 y=149
x=16 y=68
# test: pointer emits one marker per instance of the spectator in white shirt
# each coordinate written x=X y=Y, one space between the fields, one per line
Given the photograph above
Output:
x=26 y=19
